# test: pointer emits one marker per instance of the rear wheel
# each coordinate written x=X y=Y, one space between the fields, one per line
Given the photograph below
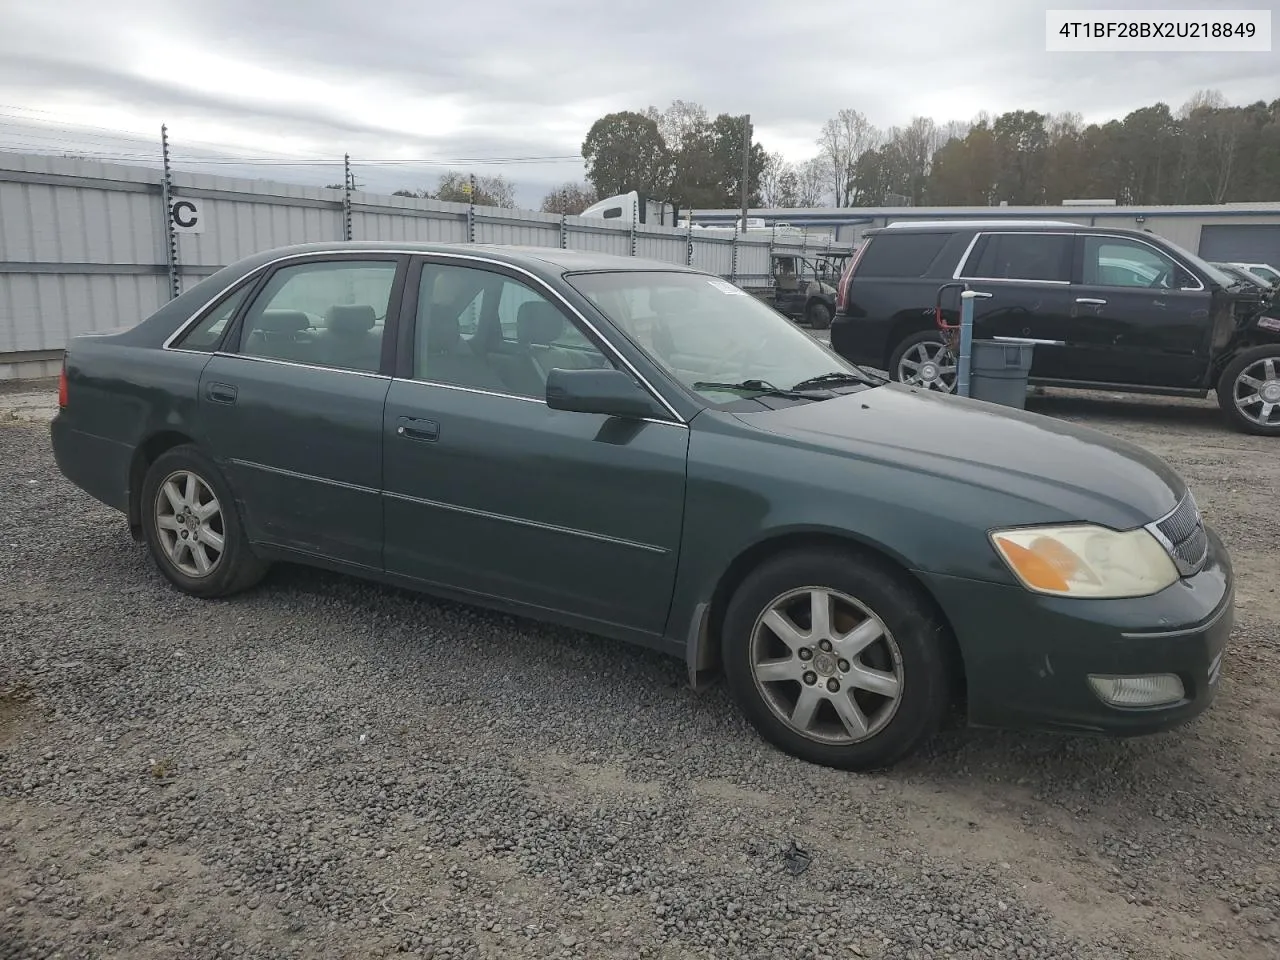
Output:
x=836 y=659
x=818 y=315
x=192 y=526
x=1249 y=391
x=924 y=360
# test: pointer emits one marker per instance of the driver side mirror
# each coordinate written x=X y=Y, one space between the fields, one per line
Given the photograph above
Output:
x=609 y=392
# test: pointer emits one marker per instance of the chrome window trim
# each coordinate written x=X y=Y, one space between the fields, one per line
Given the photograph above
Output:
x=957 y=274
x=398 y=252
x=964 y=261
x=1200 y=287
x=414 y=380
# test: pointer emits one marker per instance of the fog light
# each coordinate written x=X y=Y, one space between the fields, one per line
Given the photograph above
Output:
x=1149 y=691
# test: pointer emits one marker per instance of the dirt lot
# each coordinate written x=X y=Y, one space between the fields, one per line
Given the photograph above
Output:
x=328 y=768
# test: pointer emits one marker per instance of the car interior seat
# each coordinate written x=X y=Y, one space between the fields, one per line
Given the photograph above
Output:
x=349 y=339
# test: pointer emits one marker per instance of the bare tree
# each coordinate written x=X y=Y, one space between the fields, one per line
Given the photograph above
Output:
x=845 y=137
x=569 y=198
x=811 y=178
x=680 y=122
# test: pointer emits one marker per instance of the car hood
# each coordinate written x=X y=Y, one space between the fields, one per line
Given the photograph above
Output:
x=1074 y=472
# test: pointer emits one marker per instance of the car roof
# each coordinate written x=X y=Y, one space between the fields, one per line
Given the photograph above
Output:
x=536 y=259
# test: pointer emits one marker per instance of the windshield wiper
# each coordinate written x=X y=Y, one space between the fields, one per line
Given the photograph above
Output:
x=834 y=378
x=754 y=386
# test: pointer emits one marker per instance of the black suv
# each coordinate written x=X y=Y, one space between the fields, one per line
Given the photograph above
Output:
x=1117 y=309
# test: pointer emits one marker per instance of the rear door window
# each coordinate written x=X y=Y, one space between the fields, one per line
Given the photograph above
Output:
x=322 y=313
x=901 y=254
x=1043 y=257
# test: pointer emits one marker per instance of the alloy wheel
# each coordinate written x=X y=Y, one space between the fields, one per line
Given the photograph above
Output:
x=826 y=665
x=929 y=364
x=190 y=525
x=1256 y=392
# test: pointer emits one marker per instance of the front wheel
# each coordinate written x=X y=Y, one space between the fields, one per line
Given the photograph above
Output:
x=193 y=528
x=1249 y=391
x=818 y=315
x=925 y=360
x=836 y=659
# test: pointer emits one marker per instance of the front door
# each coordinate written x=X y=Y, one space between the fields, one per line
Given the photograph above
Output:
x=292 y=409
x=490 y=491
x=1141 y=318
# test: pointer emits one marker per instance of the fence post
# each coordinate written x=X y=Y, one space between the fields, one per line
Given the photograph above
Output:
x=734 y=274
x=471 y=210
x=170 y=234
x=564 y=232
x=346 y=196
x=635 y=212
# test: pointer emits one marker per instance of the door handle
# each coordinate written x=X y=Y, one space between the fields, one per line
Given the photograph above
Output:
x=411 y=428
x=1093 y=300
x=220 y=392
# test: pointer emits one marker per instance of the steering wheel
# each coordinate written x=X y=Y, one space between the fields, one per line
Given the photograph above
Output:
x=1163 y=280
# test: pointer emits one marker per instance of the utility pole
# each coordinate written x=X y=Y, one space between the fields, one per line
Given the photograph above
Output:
x=746 y=167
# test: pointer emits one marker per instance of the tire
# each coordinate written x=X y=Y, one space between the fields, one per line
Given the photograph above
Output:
x=911 y=654
x=818 y=315
x=912 y=347
x=1261 y=365
x=230 y=570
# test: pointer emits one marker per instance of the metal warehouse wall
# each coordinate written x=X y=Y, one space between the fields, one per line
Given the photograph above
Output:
x=1184 y=225
x=83 y=244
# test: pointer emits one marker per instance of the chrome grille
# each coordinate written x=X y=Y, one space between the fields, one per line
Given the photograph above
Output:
x=1183 y=535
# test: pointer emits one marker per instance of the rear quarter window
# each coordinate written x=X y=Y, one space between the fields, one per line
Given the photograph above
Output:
x=900 y=254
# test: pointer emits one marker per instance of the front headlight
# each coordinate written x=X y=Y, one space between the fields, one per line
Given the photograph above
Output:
x=1082 y=560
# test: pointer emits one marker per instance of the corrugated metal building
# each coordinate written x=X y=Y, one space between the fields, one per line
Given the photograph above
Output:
x=84 y=245
x=1248 y=232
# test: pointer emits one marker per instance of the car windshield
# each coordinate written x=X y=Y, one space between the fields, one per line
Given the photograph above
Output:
x=719 y=341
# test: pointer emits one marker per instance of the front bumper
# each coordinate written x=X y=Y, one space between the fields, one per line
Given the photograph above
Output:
x=1028 y=657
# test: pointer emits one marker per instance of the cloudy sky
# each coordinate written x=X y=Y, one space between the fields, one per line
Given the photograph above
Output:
x=404 y=80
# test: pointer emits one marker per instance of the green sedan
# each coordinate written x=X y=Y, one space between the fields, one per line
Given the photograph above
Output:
x=645 y=452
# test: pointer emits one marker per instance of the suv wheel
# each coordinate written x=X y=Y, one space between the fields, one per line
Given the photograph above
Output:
x=1249 y=391
x=836 y=659
x=818 y=315
x=925 y=360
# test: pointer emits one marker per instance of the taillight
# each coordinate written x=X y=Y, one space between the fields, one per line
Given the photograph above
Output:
x=842 y=288
x=62 y=384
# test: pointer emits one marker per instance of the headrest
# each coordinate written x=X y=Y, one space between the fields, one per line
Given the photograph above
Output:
x=443 y=331
x=538 y=322
x=283 y=321
x=350 y=318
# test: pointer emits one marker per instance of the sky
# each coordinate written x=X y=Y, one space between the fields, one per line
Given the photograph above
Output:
x=399 y=82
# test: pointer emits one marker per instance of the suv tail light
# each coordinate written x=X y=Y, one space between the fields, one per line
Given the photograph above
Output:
x=842 y=288
x=62 y=384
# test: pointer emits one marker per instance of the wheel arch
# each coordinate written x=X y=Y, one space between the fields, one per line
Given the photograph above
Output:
x=144 y=456
x=907 y=323
x=703 y=653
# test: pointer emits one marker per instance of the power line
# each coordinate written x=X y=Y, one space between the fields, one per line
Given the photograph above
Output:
x=102 y=148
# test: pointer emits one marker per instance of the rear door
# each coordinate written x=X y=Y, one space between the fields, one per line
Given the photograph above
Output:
x=292 y=405
x=1141 y=318
x=1028 y=278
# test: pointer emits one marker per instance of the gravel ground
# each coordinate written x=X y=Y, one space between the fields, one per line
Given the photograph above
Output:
x=324 y=767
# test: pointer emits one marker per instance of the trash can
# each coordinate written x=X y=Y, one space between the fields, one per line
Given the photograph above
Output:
x=998 y=372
